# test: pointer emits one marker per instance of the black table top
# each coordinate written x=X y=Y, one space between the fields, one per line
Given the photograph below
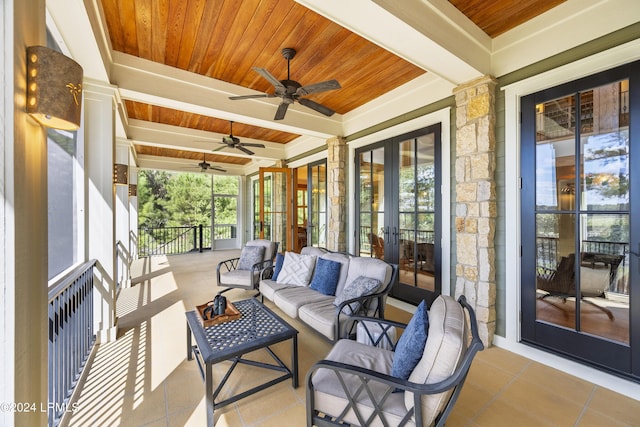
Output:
x=258 y=327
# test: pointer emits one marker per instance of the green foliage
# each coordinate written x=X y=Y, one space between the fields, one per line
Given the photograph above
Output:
x=184 y=199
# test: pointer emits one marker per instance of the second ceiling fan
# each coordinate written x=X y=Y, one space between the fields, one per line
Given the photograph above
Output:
x=291 y=91
x=234 y=142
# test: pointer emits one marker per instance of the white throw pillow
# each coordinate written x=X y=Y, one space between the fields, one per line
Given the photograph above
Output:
x=296 y=269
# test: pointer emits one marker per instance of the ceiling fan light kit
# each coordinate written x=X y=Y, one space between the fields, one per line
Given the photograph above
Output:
x=291 y=91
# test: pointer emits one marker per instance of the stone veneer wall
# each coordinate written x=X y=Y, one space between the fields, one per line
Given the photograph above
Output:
x=475 y=220
x=337 y=194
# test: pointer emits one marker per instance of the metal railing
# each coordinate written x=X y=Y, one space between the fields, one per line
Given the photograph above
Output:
x=180 y=240
x=71 y=335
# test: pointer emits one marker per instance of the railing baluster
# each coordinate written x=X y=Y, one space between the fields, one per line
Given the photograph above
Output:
x=70 y=336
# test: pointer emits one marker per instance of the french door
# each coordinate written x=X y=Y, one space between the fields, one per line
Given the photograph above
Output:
x=398 y=210
x=580 y=233
x=317 y=202
x=275 y=215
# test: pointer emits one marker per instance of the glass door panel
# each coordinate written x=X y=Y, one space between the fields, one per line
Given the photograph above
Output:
x=317 y=226
x=579 y=266
x=276 y=210
x=578 y=289
x=372 y=235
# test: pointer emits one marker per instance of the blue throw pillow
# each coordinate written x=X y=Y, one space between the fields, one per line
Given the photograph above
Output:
x=326 y=277
x=411 y=344
x=278 y=267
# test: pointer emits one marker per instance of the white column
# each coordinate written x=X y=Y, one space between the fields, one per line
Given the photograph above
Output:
x=122 y=215
x=23 y=222
x=100 y=212
x=133 y=212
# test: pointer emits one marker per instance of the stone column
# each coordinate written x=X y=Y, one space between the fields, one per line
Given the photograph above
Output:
x=337 y=194
x=476 y=200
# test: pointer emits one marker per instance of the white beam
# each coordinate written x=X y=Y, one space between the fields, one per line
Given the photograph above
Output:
x=459 y=54
x=158 y=84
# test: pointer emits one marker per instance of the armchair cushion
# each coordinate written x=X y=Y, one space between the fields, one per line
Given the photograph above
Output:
x=326 y=276
x=330 y=396
x=249 y=256
x=411 y=344
x=296 y=269
x=446 y=344
x=278 y=267
x=360 y=286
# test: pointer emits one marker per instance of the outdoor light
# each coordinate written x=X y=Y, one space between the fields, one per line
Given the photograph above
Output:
x=54 y=88
x=120 y=173
x=133 y=190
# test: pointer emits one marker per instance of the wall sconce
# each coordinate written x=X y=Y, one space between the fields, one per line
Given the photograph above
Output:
x=54 y=88
x=133 y=190
x=120 y=173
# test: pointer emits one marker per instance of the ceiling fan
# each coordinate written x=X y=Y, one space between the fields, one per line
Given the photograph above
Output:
x=234 y=142
x=205 y=166
x=291 y=91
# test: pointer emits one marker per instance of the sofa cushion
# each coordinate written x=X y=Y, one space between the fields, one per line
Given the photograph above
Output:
x=296 y=269
x=326 y=276
x=330 y=396
x=368 y=267
x=289 y=300
x=278 y=266
x=249 y=256
x=446 y=344
x=358 y=287
x=312 y=250
x=322 y=317
x=343 y=259
x=269 y=287
x=411 y=343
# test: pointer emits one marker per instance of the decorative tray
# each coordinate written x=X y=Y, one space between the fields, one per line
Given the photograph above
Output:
x=231 y=313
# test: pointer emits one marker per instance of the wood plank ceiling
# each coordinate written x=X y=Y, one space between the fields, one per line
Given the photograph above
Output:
x=223 y=40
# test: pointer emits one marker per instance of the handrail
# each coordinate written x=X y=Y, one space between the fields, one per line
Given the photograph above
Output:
x=67 y=280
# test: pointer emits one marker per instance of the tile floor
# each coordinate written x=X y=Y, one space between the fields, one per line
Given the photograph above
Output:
x=144 y=379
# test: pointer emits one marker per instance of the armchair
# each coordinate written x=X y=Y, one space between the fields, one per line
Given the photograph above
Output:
x=354 y=386
x=244 y=271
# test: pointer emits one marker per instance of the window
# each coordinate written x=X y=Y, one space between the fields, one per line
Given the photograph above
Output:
x=225 y=207
x=61 y=205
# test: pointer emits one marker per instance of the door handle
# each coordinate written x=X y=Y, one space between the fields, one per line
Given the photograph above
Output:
x=395 y=235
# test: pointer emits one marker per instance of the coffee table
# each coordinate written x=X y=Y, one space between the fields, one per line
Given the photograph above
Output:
x=258 y=328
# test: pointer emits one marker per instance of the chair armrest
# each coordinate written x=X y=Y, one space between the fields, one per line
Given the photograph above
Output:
x=229 y=265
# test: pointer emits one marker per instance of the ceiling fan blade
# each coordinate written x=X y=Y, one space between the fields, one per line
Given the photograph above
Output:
x=244 y=150
x=318 y=87
x=262 y=95
x=250 y=144
x=315 y=106
x=217 y=168
x=282 y=110
x=268 y=76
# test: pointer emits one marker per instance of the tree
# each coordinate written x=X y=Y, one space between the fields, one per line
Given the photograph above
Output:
x=190 y=199
x=152 y=198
